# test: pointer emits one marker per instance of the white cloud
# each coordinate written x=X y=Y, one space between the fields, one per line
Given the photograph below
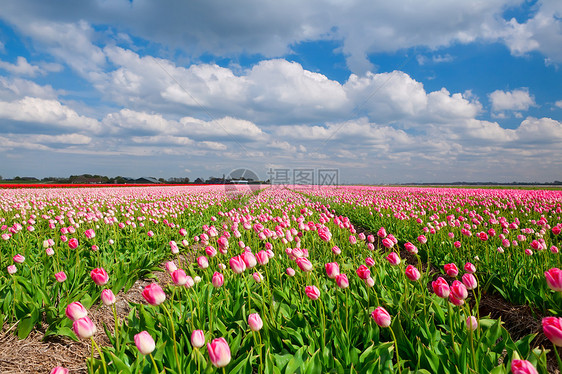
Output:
x=270 y=29
x=50 y=113
x=17 y=88
x=21 y=67
x=558 y=103
x=518 y=99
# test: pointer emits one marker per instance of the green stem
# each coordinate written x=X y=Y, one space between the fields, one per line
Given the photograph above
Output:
x=101 y=355
x=558 y=358
x=116 y=326
x=153 y=364
x=173 y=337
x=397 y=354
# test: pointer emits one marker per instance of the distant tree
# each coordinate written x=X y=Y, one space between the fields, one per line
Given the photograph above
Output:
x=162 y=180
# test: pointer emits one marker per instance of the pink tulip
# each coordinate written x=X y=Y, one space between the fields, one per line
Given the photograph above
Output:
x=554 y=279
x=369 y=261
x=218 y=279
x=451 y=270
x=370 y=282
x=210 y=251
x=290 y=272
x=422 y=239
x=522 y=367
x=441 y=287
x=312 y=292
x=393 y=258
x=381 y=233
x=412 y=273
x=73 y=243
x=552 y=328
x=197 y=338
x=304 y=264
x=387 y=243
x=262 y=258
x=255 y=322
x=154 y=294
x=352 y=239
x=179 y=277
x=59 y=370
x=202 y=262
x=170 y=267
x=381 y=317
x=257 y=277
x=453 y=300
x=469 y=268
x=144 y=342
x=150 y=234
x=107 y=297
x=75 y=311
x=458 y=290
x=237 y=264
x=249 y=259
x=84 y=328
x=174 y=247
x=471 y=323
x=60 y=276
x=49 y=251
x=410 y=247
x=342 y=281
x=99 y=276
x=469 y=280
x=332 y=269
x=219 y=352
x=336 y=250
x=12 y=269
x=363 y=272
x=90 y=233
x=19 y=259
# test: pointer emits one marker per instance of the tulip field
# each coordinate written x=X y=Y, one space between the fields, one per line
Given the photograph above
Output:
x=286 y=279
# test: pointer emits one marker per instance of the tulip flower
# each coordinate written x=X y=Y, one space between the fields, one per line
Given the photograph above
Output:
x=59 y=370
x=471 y=323
x=451 y=270
x=237 y=264
x=144 y=342
x=99 y=276
x=73 y=243
x=332 y=269
x=393 y=258
x=554 y=279
x=381 y=317
x=469 y=280
x=75 y=311
x=441 y=287
x=412 y=273
x=522 y=367
x=153 y=294
x=60 y=276
x=342 y=281
x=179 y=277
x=312 y=292
x=336 y=250
x=290 y=272
x=84 y=328
x=19 y=259
x=552 y=328
x=219 y=352
x=458 y=290
x=369 y=261
x=470 y=268
x=197 y=338
x=255 y=322
x=170 y=267
x=12 y=269
x=262 y=258
x=107 y=297
x=304 y=264
x=363 y=272
x=202 y=262
x=218 y=279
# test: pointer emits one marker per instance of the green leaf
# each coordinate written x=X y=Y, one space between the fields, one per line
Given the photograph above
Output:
x=25 y=326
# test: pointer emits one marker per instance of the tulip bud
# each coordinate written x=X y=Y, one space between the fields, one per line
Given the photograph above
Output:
x=255 y=322
x=144 y=342
x=219 y=352
x=75 y=311
x=84 y=328
x=381 y=317
x=153 y=294
x=197 y=338
x=108 y=297
x=312 y=292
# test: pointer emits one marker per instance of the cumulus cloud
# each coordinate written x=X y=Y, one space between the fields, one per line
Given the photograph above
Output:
x=21 y=67
x=363 y=27
x=519 y=99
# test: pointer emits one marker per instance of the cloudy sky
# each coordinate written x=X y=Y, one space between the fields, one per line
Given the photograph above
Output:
x=383 y=91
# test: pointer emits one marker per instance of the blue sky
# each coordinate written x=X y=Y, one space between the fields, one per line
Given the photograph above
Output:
x=384 y=92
